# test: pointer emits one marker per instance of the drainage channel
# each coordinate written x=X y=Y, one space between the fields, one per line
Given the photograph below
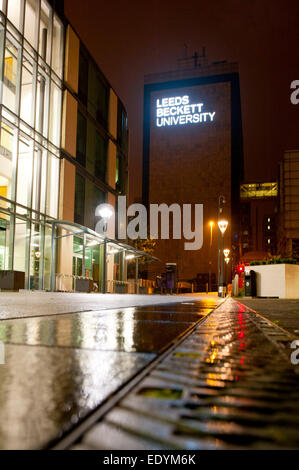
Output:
x=227 y=383
x=78 y=432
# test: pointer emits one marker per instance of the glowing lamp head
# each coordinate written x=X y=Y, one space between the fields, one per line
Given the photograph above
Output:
x=105 y=211
x=211 y=224
x=222 y=224
x=227 y=260
x=226 y=252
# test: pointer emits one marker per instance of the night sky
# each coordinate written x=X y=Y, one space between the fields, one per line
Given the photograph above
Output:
x=134 y=38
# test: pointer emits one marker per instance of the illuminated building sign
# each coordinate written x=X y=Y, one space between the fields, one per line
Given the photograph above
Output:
x=179 y=111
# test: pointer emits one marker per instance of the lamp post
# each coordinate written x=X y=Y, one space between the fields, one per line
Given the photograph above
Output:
x=221 y=202
x=211 y=224
x=105 y=211
x=222 y=224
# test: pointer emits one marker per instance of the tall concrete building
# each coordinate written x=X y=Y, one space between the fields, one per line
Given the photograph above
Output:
x=63 y=151
x=193 y=153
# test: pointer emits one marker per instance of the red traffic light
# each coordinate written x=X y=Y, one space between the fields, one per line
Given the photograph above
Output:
x=241 y=268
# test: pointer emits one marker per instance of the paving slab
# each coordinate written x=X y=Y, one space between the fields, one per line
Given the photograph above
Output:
x=283 y=312
x=37 y=303
x=59 y=367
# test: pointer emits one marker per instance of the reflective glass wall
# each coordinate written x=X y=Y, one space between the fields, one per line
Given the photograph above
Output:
x=31 y=67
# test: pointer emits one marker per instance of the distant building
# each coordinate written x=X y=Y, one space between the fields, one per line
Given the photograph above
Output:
x=258 y=216
x=193 y=153
x=288 y=241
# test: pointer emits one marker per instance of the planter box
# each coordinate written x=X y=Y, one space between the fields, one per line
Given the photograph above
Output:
x=277 y=280
x=12 y=280
x=84 y=285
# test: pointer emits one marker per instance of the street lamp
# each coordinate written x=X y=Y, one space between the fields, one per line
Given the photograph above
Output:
x=226 y=252
x=105 y=211
x=211 y=224
x=222 y=224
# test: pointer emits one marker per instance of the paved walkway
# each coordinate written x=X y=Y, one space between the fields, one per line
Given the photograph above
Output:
x=33 y=303
x=229 y=385
x=60 y=367
x=282 y=312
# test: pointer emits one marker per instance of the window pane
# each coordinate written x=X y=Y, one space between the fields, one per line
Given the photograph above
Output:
x=31 y=16
x=6 y=225
x=27 y=90
x=14 y=12
x=81 y=139
x=7 y=162
x=42 y=102
x=55 y=113
x=24 y=178
x=122 y=127
x=10 y=82
x=45 y=32
x=36 y=179
x=20 y=245
x=102 y=102
x=83 y=78
x=52 y=186
x=57 y=48
x=35 y=257
x=79 y=199
x=43 y=185
x=100 y=157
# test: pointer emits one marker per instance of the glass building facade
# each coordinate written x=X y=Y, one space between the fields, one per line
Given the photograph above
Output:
x=31 y=68
x=63 y=151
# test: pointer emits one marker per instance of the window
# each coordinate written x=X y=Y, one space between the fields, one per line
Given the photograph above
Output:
x=14 y=12
x=31 y=19
x=83 y=78
x=102 y=96
x=42 y=102
x=11 y=73
x=52 y=185
x=27 y=90
x=79 y=199
x=81 y=139
x=45 y=32
x=24 y=176
x=122 y=127
x=100 y=157
x=120 y=174
x=55 y=113
x=8 y=157
x=57 y=48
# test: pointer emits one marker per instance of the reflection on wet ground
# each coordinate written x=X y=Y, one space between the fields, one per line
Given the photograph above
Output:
x=58 y=368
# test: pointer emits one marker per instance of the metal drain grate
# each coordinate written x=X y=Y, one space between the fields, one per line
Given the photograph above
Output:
x=228 y=385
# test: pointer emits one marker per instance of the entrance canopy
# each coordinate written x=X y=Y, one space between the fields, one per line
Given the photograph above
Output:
x=90 y=238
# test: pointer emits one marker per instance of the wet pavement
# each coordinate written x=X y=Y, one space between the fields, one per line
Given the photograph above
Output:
x=37 y=303
x=229 y=384
x=282 y=312
x=60 y=367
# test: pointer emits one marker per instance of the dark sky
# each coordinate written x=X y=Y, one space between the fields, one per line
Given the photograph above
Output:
x=129 y=39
